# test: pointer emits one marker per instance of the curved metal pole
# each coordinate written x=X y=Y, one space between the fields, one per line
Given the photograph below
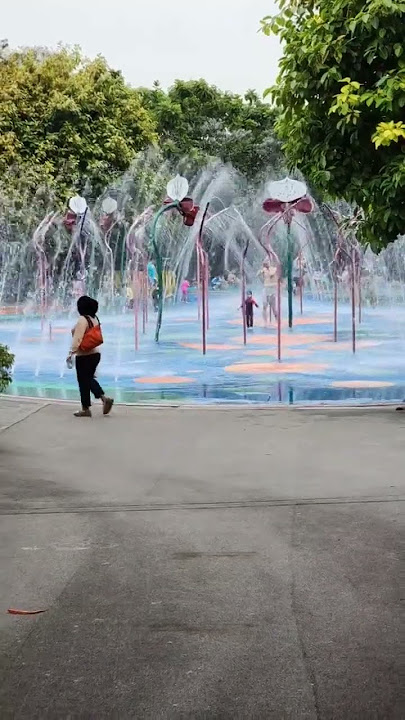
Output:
x=107 y=238
x=289 y=275
x=243 y=283
x=202 y=261
x=335 y=310
x=352 y=259
x=198 y=283
x=301 y=281
x=136 y=302
x=144 y=294
x=336 y=255
x=336 y=296
x=279 y=316
x=354 y=300
x=273 y=255
x=206 y=278
x=82 y=250
x=159 y=264
x=38 y=242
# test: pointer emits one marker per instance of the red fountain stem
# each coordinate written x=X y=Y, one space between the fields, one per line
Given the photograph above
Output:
x=360 y=298
x=279 y=318
x=42 y=281
x=335 y=311
x=354 y=300
x=301 y=284
x=207 y=271
x=243 y=293
x=136 y=308
x=144 y=300
x=243 y=283
x=198 y=284
x=272 y=255
x=202 y=259
x=204 y=311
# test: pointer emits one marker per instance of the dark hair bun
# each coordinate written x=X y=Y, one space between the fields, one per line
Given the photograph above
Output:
x=87 y=306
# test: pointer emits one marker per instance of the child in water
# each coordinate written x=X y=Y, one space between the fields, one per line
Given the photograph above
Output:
x=249 y=303
x=185 y=286
x=155 y=298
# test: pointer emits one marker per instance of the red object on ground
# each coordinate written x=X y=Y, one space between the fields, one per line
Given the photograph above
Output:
x=14 y=611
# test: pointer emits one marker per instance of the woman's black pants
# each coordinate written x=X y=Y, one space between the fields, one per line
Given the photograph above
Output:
x=86 y=366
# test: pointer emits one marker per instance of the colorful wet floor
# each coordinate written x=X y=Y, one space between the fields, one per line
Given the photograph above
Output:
x=313 y=370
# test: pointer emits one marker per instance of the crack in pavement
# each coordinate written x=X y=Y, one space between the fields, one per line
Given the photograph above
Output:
x=220 y=505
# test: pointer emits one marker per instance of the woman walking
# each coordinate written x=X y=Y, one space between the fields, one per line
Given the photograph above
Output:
x=86 y=342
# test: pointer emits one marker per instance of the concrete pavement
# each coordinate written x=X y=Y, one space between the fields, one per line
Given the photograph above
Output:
x=200 y=563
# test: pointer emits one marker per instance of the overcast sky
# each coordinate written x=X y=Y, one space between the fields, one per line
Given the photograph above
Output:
x=156 y=39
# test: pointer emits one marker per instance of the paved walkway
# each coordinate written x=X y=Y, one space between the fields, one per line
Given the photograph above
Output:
x=200 y=564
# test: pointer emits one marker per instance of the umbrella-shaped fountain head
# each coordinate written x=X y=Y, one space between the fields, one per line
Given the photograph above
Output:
x=285 y=194
x=108 y=207
x=77 y=207
x=177 y=190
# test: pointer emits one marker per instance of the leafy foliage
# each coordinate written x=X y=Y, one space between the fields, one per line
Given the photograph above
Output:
x=341 y=98
x=6 y=363
x=196 y=120
x=68 y=119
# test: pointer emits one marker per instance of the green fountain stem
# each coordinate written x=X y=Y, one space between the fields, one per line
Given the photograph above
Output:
x=159 y=265
x=289 y=276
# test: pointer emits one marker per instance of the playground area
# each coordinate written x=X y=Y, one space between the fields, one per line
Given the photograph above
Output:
x=179 y=287
x=313 y=368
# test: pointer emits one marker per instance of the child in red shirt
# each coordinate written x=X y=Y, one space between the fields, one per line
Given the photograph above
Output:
x=249 y=303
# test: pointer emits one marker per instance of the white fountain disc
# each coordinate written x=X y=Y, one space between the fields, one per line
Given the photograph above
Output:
x=109 y=205
x=78 y=205
x=286 y=190
x=177 y=188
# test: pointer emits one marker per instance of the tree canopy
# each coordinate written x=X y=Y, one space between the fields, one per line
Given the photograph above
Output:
x=198 y=120
x=340 y=97
x=67 y=123
x=65 y=119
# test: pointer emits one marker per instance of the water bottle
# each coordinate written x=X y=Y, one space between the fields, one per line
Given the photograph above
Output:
x=69 y=362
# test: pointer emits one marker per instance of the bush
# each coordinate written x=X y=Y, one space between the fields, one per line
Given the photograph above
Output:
x=6 y=363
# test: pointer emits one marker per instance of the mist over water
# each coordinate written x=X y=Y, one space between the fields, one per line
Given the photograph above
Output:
x=47 y=262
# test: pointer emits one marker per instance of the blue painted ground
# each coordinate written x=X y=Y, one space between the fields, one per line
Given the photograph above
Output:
x=313 y=368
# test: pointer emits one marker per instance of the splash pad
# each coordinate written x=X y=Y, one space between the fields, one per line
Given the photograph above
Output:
x=107 y=251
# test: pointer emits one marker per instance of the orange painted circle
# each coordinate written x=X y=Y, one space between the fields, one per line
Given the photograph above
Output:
x=258 y=321
x=346 y=345
x=287 y=339
x=183 y=320
x=317 y=320
x=361 y=384
x=302 y=320
x=210 y=346
x=164 y=380
x=273 y=353
x=274 y=368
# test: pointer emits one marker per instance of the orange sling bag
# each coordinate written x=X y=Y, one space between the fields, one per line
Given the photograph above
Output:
x=92 y=338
